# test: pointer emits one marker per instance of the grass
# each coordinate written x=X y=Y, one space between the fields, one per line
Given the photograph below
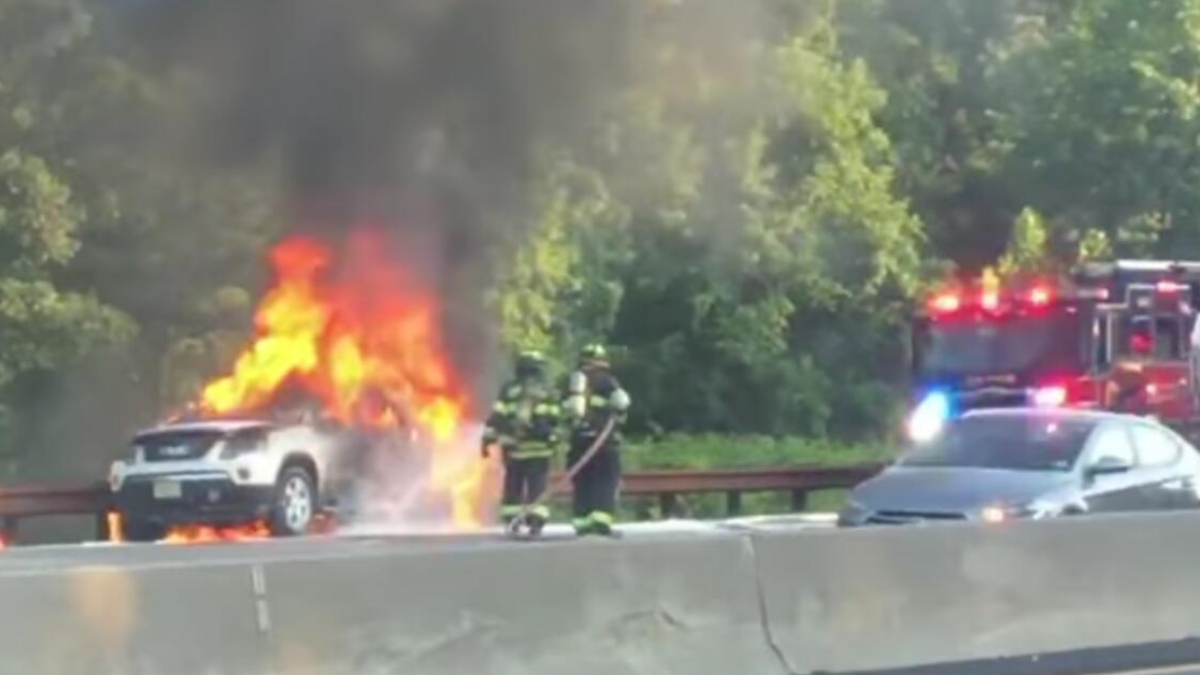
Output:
x=714 y=451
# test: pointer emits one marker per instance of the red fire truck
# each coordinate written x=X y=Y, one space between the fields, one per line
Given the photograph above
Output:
x=1112 y=336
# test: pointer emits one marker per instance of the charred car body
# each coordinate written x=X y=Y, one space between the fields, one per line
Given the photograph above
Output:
x=227 y=472
x=1112 y=336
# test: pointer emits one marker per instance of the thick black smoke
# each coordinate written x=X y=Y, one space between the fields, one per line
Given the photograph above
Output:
x=422 y=115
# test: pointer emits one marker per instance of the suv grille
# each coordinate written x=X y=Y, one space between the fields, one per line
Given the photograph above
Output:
x=175 y=446
x=174 y=453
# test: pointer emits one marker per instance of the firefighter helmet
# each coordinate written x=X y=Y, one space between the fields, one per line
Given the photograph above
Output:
x=593 y=352
x=530 y=364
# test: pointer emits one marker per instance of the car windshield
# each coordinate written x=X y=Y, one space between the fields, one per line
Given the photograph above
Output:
x=1016 y=344
x=1015 y=442
x=189 y=443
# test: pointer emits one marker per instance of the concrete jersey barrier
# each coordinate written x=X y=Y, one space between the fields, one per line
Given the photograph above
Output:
x=750 y=601
x=674 y=605
x=844 y=601
x=685 y=605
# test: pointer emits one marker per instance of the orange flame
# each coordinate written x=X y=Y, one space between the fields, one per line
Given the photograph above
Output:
x=206 y=534
x=365 y=341
x=116 y=527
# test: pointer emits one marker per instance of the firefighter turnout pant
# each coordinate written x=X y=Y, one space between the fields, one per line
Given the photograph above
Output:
x=595 y=485
x=524 y=484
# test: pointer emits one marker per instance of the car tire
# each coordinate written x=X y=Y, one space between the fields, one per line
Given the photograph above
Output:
x=295 y=503
x=143 y=531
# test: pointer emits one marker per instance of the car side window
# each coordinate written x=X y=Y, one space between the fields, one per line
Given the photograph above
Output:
x=1154 y=447
x=1111 y=442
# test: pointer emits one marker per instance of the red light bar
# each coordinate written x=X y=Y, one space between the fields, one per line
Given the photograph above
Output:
x=1039 y=296
x=1167 y=287
x=989 y=300
x=946 y=302
x=1050 y=397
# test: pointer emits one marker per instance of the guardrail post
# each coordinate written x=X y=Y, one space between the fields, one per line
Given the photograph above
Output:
x=733 y=502
x=799 y=500
x=641 y=510
x=666 y=504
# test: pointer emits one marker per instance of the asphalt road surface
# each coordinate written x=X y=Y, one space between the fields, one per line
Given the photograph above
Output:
x=351 y=542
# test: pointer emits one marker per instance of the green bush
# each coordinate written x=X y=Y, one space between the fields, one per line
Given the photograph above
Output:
x=714 y=451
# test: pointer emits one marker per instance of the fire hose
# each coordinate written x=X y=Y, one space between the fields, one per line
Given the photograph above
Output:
x=521 y=519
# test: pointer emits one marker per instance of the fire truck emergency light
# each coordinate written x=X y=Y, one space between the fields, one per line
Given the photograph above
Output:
x=1168 y=287
x=989 y=300
x=1039 y=296
x=1050 y=397
x=929 y=417
x=946 y=302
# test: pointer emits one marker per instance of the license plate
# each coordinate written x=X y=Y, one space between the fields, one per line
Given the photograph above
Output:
x=167 y=489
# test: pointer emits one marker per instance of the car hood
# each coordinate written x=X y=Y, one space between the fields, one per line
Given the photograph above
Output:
x=955 y=490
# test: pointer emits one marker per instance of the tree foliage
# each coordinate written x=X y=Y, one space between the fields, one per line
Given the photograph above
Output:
x=747 y=219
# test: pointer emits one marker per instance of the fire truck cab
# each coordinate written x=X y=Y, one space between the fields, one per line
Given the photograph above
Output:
x=1114 y=336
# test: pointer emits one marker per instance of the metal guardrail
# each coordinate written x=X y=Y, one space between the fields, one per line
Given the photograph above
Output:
x=27 y=501
x=19 y=502
x=799 y=481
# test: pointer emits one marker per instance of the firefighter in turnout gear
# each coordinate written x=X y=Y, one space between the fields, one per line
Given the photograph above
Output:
x=525 y=424
x=596 y=405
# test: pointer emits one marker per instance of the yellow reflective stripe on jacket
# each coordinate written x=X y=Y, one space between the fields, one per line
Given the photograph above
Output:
x=602 y=517
x=531 y=450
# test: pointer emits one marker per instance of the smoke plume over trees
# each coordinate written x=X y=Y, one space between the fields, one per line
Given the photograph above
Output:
x=742 y=198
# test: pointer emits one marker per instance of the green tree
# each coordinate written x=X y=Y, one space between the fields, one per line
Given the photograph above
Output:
x=1103 y=123
x=936 y=59
x=738 y=229
x=43 y=324
x=1027 y=247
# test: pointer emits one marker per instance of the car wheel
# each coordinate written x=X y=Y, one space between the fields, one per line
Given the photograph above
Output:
x=142 y=531
x=295 y=503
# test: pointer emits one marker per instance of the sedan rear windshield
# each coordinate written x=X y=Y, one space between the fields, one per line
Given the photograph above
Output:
x=1015 y=442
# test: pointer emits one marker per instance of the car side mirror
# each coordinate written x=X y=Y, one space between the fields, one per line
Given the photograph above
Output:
x=1108 y=465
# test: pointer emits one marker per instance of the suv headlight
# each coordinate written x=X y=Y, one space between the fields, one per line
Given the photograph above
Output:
x=234 y=448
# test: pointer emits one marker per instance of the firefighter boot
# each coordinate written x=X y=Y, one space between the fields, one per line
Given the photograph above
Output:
x=536 y=524
x=601 y=523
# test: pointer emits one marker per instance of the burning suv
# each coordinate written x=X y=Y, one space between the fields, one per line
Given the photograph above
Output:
x=225 y=472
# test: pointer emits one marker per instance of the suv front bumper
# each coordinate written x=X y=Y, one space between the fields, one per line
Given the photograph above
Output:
x=212 y=500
